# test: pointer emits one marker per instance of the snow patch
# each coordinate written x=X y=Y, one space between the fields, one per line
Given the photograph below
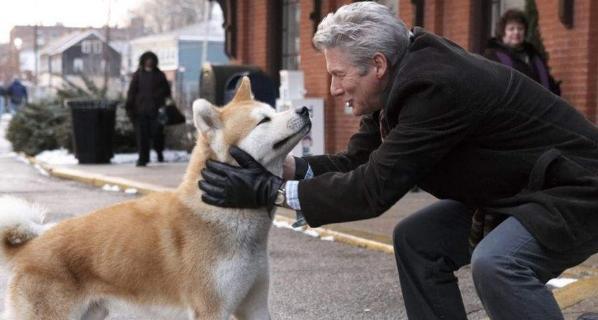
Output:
x=63 y=157
x=560 y=282
x=131 y=191
x=58 y=157
x=109 y=187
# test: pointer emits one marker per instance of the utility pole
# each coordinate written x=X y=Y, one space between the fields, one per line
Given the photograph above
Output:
x=206 y=21
x=35 y=53
x=106 y=53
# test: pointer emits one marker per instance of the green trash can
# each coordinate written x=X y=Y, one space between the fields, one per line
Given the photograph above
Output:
x=93 y=129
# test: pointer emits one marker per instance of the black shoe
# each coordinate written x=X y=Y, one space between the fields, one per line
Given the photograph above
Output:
x=160 y=157
x=141 y=164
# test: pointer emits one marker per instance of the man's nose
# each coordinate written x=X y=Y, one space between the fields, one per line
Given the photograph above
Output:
x=335 y=90
x=302 y=111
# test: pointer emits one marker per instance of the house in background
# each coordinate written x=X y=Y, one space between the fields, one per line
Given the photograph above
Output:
x=26 y=41
x=276 y=35
x=80 y=53
x=182 y=53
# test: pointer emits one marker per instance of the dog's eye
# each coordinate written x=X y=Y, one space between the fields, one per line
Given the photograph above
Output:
x=264 y=120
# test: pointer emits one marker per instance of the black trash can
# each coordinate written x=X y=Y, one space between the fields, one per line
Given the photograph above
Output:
x=263 y=87
x=214 y=79
x=93 y=129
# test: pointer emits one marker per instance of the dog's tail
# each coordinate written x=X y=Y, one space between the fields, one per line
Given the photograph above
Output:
x=20 y=221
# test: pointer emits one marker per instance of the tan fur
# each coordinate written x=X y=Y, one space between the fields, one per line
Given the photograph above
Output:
x=161 y=249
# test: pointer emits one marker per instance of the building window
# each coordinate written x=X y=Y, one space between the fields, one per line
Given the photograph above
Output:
x=91 y=46
x=86 y=47
x=97 y=47
x=77 y=65
x=291 y=15
x=418 y=12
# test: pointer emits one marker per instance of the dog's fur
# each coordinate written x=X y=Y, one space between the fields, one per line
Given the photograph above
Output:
x=167 y=248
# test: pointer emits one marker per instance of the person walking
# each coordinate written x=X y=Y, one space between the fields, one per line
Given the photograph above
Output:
x=148 y=91
x=510 y=48
x=17 y=96
x=2 y=99
x=502 y=153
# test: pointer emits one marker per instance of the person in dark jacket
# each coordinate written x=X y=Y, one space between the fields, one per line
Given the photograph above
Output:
x=17 y=96
x=2 y=99
x=481 y=137
x=148 y=91
x=510 y=48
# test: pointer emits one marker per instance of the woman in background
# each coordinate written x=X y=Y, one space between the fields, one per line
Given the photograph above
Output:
x=510 y=48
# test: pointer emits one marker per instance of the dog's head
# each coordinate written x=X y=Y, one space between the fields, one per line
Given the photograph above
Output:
x=251 y=125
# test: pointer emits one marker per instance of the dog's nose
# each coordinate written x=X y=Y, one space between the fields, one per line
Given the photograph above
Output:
x=302 y=111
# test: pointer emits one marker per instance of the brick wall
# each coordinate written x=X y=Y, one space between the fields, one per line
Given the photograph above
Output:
x=252 y=33
x=450 y=19
x=573 y=53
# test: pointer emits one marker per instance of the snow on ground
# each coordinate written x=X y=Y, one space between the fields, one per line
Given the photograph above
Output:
x=63 y=157
x=560 y=282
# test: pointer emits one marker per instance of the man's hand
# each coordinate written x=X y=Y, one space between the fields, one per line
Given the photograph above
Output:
x=247 y=186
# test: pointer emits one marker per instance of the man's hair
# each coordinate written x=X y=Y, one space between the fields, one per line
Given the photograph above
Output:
x=511 y=15
x=361 y=29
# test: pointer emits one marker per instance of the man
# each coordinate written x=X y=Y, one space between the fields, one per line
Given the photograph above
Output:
x=496 y=147
x=148 y=91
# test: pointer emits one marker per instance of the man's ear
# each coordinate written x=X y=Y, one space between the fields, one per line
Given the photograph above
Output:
x=206 y=116
x=380 y=64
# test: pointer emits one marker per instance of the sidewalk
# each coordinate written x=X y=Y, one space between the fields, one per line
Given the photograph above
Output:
x=375 y=234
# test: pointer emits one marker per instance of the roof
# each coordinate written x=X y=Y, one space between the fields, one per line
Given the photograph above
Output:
x=194 y=32
x=67 y=41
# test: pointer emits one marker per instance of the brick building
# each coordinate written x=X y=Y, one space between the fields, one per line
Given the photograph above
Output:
x=276 y=34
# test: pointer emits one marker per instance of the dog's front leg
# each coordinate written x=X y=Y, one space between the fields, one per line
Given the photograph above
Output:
x=255 y=304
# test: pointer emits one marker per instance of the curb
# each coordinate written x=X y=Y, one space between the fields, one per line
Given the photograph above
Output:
x=566 y=296
x=97 y=180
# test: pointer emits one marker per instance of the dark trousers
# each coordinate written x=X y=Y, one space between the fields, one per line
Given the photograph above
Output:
x=509 y=267
x=148 y=130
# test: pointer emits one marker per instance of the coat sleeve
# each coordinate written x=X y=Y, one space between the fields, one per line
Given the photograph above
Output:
x=131 y=95
x=429 y=126
x=361 y=145
x=165 y=86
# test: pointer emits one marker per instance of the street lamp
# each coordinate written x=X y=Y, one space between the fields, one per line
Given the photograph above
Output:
x=18 y=43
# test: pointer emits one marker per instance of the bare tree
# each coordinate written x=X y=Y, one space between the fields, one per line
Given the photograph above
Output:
x=163 y=15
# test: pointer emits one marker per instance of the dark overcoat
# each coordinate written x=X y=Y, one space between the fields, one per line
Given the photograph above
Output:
x=147 y=93
x=466 y=128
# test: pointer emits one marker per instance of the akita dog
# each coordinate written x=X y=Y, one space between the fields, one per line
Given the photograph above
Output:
x=168 y=248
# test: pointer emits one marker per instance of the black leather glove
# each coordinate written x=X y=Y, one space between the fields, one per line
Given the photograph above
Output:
x=247 y=186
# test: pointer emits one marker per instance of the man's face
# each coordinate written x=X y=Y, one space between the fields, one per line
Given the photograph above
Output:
x=514 y=34
x=362 y=92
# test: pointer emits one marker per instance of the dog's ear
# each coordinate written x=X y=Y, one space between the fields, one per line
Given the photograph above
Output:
x=206 y=116
x=244 y=91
